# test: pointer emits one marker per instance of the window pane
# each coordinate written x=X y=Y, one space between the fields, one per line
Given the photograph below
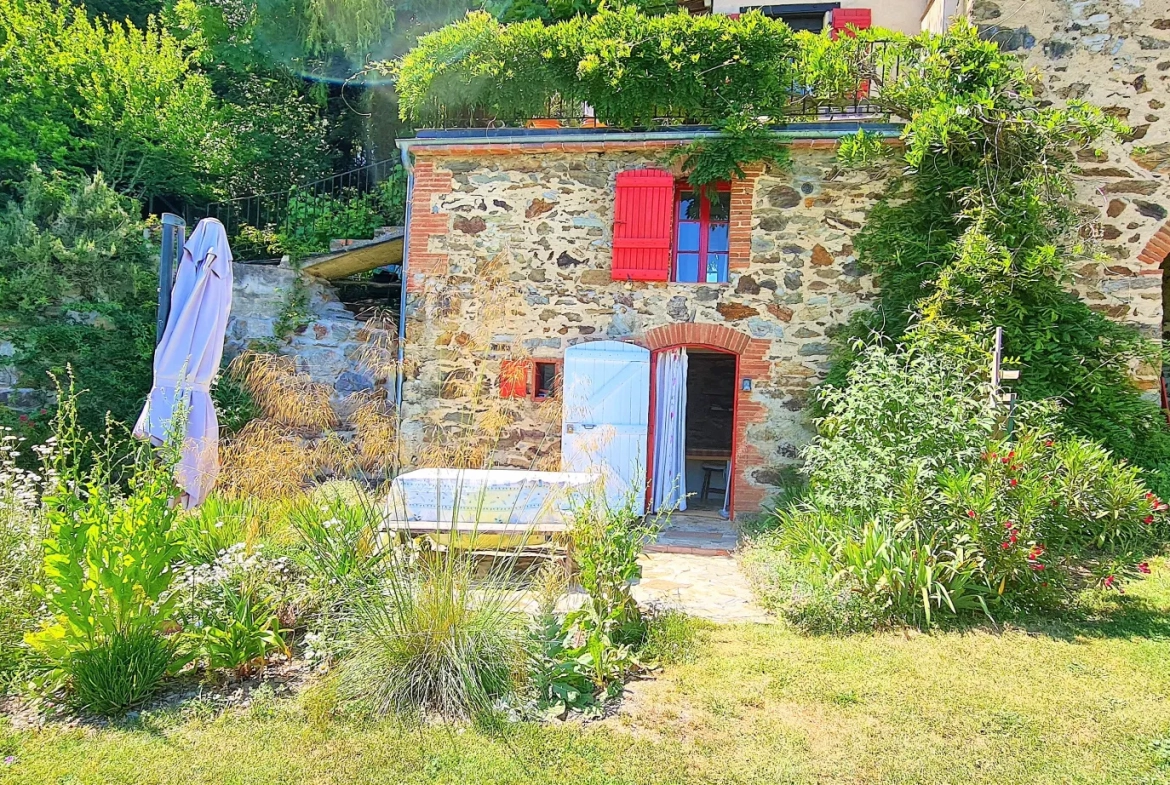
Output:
x=688 y=268
x=720 y=206
x=717 y=237
x=716 y=268
x=688 y=236
x=546 y=376
x=688 y=206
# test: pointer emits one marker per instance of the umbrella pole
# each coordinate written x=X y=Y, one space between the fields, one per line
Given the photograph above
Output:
x=174 y=234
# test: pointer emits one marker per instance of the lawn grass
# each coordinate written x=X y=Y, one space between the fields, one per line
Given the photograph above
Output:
x=1077 y=700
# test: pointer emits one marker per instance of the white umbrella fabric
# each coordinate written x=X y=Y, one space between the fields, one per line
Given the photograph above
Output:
x=188 y=357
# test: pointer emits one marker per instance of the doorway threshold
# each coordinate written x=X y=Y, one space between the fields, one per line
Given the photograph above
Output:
x=701 y=533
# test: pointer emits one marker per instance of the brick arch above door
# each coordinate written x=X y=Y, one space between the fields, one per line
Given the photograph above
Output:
x=1158 y=248
x=690 y=333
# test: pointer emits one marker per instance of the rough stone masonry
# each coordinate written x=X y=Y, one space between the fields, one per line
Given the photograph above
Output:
x=545 y=218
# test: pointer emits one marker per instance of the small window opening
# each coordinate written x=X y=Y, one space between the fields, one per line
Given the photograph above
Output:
x=545 y=381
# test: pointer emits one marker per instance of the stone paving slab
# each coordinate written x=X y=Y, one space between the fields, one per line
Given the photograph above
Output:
x=709 y=587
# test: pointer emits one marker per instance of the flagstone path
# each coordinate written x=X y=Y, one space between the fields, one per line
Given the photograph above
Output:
x=710 y=587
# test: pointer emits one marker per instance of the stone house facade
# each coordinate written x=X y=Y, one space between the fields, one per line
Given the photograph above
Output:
x=541 y=210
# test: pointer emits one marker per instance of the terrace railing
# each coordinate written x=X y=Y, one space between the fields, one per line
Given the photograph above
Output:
x=853 y=92
x=356 y=197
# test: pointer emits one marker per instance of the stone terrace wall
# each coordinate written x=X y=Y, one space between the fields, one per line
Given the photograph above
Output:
x=330 y=348
x=547 y=218
x=1114 y=54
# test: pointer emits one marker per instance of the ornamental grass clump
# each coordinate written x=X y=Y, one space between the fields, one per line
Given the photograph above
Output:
x=433 y=639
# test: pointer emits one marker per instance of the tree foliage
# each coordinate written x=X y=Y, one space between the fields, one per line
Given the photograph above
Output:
x=629 y=67
x=102 y=95
x=981 y=231
x=77 y=288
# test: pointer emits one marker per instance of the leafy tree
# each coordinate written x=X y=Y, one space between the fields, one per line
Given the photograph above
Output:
x=560 y=10
x=980 y=234
x=106 y=96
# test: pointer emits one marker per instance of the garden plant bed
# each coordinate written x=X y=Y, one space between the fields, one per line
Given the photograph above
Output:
x=1077 y=700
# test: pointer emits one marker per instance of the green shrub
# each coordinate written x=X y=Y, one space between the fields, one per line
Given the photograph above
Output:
x=312 y=220
x=230 y=607
x=580 y=659
x=246 y=632
x=77 y=288
x=606 y=545
x=118 y=673
x=920 y=503
x=109 y=552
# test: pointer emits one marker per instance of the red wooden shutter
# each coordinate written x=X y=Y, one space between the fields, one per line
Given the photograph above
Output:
x=514 y=378
x=642 y=225
x=844 y=18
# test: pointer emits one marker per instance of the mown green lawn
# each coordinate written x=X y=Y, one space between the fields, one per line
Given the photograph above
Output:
x=1083 y=700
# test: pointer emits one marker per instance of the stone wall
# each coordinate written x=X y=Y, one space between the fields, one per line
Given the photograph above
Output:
x=1114 y=54
x=333 y=348
x=542 y=218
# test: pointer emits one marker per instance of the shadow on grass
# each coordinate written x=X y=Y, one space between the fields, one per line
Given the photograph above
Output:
x=1116 y=616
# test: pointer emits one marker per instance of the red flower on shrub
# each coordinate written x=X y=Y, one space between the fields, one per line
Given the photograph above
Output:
x=1048 y=442
x=1148 y=519
x=1005 y=460
x=1008 y=525
x=970 y=513
x=24 y=418
x=1036 y=552
x=1144 y=568
x=1013 y=482
x=1005 y=545
x=1108 y=581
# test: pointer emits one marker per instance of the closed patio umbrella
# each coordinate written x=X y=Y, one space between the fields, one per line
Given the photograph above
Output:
x=188 y=356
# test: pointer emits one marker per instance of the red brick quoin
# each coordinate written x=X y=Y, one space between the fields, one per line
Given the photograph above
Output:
x=1158 y=248
x=426 y=222
x=753 y=364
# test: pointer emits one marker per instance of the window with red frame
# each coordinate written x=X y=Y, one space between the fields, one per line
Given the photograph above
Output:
x=700 y=234
x=544 y=380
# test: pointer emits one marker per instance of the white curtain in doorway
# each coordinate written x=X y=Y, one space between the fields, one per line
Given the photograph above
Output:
x=670 y=424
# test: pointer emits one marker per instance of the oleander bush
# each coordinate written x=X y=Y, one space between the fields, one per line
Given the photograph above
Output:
x=924 y=500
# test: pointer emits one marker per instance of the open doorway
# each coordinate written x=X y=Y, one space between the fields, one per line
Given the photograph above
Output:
x=694 y=427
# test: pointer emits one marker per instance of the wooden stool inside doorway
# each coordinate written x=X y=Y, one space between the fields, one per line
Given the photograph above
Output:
x=709 y=472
